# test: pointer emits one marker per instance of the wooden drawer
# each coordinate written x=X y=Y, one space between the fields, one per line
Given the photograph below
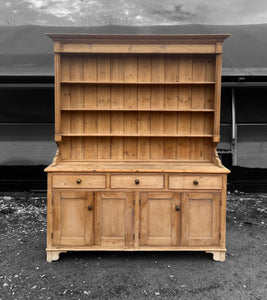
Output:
x=137 y=181
x=196 y=182
x=79 y=181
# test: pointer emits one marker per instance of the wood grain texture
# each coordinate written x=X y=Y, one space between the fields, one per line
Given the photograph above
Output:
x=137 y=122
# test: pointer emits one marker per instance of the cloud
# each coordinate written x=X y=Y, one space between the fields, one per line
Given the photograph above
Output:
x=135 y=12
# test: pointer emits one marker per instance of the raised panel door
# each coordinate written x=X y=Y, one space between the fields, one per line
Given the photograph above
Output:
x=159 y=219
x=114 y=219
x=200 y=222
x=73 y=218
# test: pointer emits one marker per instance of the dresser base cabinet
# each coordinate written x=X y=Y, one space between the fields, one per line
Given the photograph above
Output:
x=137 y=123
x=135 y=219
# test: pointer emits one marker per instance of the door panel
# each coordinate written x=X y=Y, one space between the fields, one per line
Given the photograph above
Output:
x=159 y=219
x=200 y=219
x=72 y=221
x=114 y=219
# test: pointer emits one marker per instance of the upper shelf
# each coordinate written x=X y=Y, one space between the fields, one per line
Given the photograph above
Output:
x=137 y=83
x=139 y=109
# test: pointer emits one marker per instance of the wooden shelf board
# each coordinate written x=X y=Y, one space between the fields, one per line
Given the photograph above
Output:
x=137 y=83
x=137 y=166
x=137 y=109
x=134 y=135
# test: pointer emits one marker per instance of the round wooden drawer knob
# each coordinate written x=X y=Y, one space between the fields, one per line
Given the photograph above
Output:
x=195 y=182
x=78 y=181
x=137 y=181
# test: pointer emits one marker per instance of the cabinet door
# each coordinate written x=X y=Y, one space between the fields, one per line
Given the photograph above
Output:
x=114 y=216
x=200 y=224
x=160 y=219
x=72 y=220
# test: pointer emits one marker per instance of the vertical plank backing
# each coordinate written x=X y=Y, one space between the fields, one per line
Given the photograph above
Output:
x=157 y=68
x=76 y=101
x=157 y=75
x=89 y=68
x=130 y=97
x=103 y=100
x=144 y=148
x=144 y=68
x=90 y=122
x=90 y=75
x=196 y=148
x=90 y=148
x=104 y=150
x=76 y=68
x=65 y=67
x=198 y=99
x=77 y=148
x=65 y=148
x=172 y=68
x=130 y=102
x=157 y=127
x=117 y=68
x=117 y=102
x=76 y=118
x=144 y=127
x=184 y=122
x=144 y=75
x=76 y=96
x=183 y=148
x=184 y=97
x=90 y=97
x=210 y=68
x=103 y=67
x=170 y=102
x=130 y=70
x=65 y=75
x=185 y=68
x=170 y=148
x=65 y=96
x=117 y=126
x=207 y=149
x=130 y=148
x=65 y=122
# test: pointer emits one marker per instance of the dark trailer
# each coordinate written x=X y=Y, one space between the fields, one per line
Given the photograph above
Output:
x=27 y=101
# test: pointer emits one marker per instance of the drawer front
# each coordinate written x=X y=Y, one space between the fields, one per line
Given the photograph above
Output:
x=195 y=182
x=136 y=181
x=79 y=181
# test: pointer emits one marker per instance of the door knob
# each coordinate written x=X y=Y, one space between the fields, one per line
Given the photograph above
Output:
x=177 y=208
x=90 y=207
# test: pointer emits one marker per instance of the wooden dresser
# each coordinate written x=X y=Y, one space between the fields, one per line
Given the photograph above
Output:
x=137 y=122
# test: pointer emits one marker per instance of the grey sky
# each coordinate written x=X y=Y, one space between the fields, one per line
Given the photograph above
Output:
x=134 y=12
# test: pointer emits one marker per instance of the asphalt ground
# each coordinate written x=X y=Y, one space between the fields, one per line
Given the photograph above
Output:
x=25 y=274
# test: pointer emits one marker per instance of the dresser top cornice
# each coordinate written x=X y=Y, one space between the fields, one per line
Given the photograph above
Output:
x=137 y=38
